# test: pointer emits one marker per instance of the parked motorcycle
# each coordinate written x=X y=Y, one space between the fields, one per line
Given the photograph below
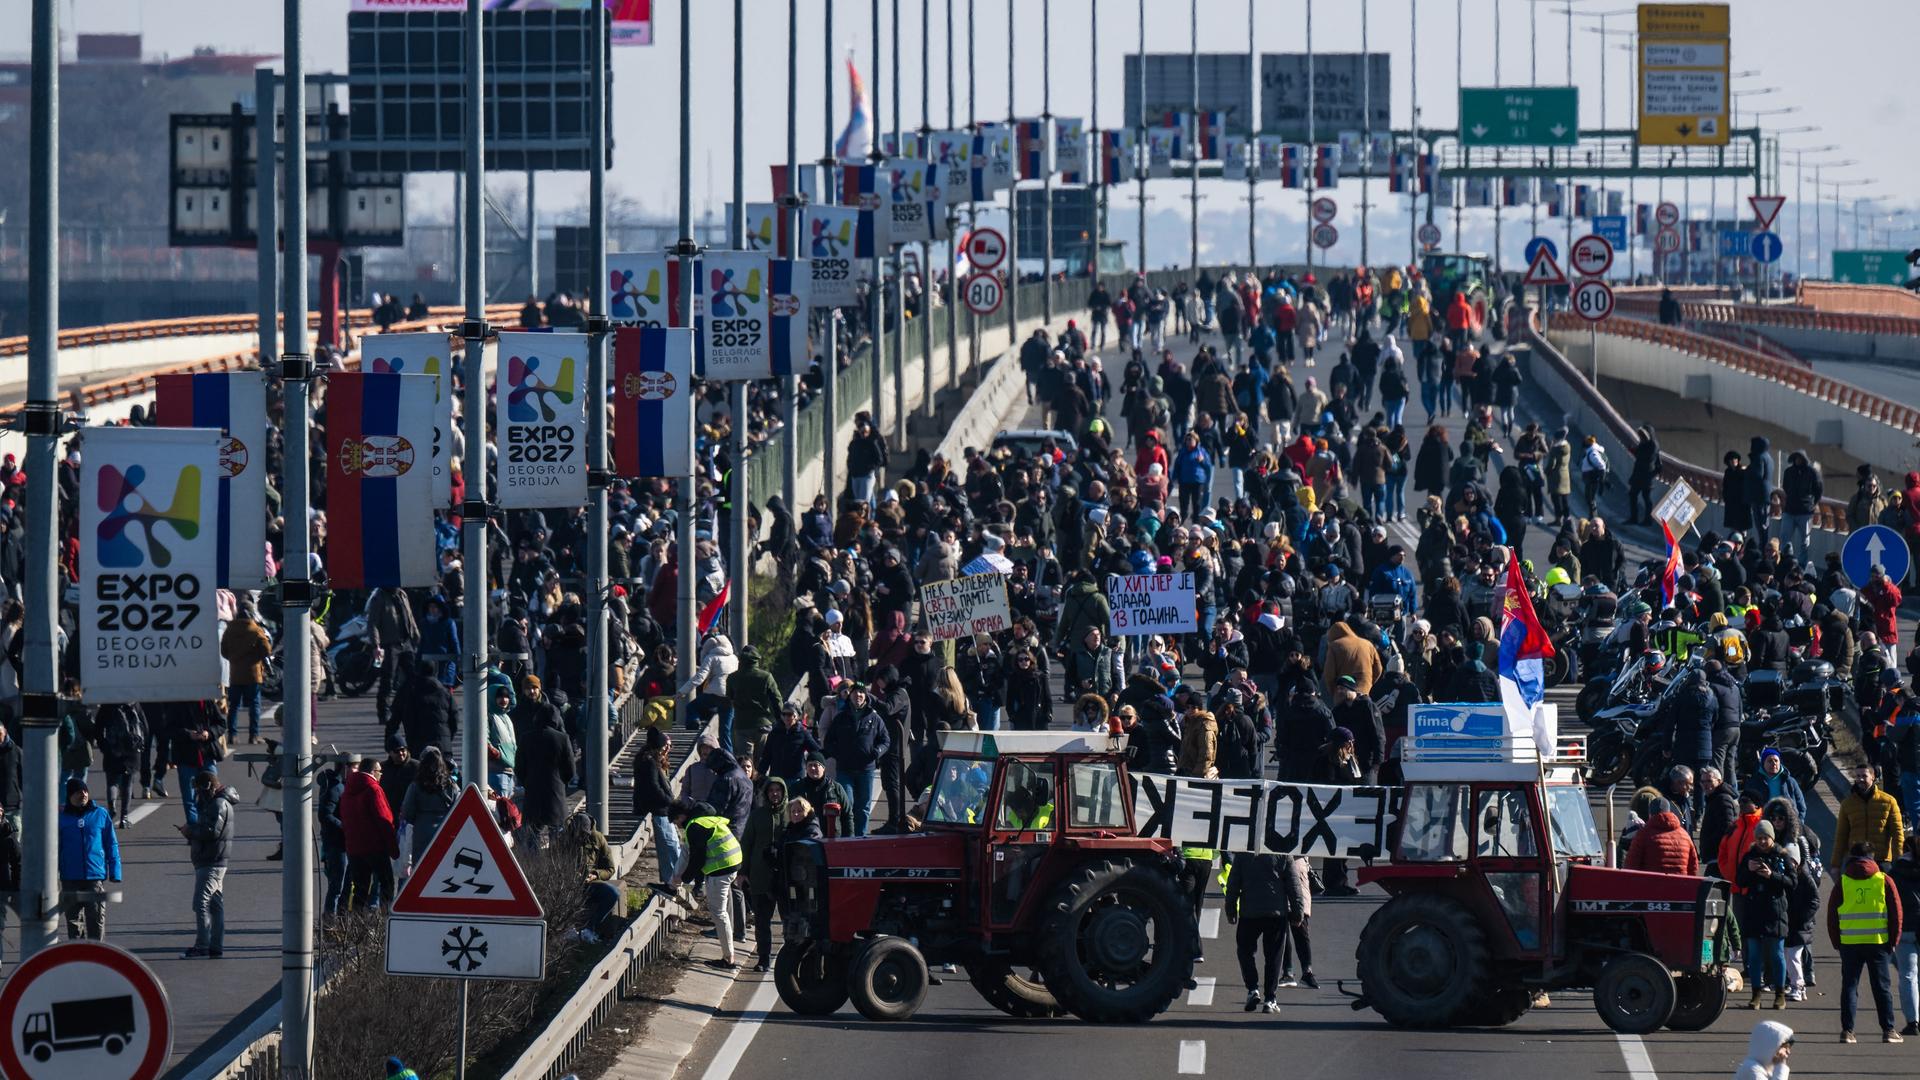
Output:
x=353 y=657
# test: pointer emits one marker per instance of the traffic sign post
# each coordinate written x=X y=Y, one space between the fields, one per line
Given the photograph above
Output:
x=1667 y=214
x=458 y=948
x=1537 y=245
x=1765 y=247
x=1520 y=116
x=1429 y=235
x=1665 y=243
x=1593 y=300
x=1325 y=236
x=1871 y=546
x=1766 y=209
x=1325 y=210
x=1590 y=256
x=983 y=294
x=986 y=249
x=1612 y=228
x=84 y=1009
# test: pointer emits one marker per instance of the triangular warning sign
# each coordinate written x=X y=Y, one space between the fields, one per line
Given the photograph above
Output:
x=468 y=870
x=1543 y=270
x=1766 y=208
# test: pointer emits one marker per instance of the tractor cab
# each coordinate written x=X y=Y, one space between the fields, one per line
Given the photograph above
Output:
x=1448 y=273
x=1025 y=869
x=1499 y=888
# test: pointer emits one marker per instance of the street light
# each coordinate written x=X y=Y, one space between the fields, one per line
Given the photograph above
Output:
x=1819 y=238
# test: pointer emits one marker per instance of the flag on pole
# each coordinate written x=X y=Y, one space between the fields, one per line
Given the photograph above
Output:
x=789 y=297
x=1524 y=650
x=1479 y=192
x=1553 y=195
x=1030 y=140
x=1205 y=129
x=1642 y=218
x=235 y=403
x=1116 y=157
x=853 y=142
x=1400 y=173
x=1581 y=194
x=417 y=354
x=1427 y=173
x=653 y=401
x=1293 y=166
x=380 y=480
x=860 y=188
x=716 y=607
x=1670 y=573
x=1516 y=190
x=1326 y=166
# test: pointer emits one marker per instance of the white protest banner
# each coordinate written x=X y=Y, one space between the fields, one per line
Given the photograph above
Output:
x=421 y=354
x=730 y=316
x=1267 y=816
x=541 y=420
x=1143 y=604
x=964 y=606
x=149 y=564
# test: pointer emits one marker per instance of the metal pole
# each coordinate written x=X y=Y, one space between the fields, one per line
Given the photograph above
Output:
x=1313 y=150
x=1571 y=209
x=599 y=695
x=1046 y=173
x=953 y=249
x=738 y=558
x=1499 y=156
x=296 y=710
x=1093 y=121
x=876 y=344
x=1413 y=111
x=473 y=701
x=1253 y=139
x=533 y=238
x=790 y=386
x=1142 y=160
x=460 y=1059
x=830 y=358
x=899 y=277
x=926 y=247
x=1366 y=126
x=686 y=633
x=973 y=208
x=1459 y=36
x=266 y=185
x=1193 y=151
x=1013 y=200
x=39 y=842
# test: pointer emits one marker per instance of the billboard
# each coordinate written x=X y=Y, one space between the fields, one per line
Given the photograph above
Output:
x=1226 y=85
x=1683 y=53
x=1339 y=95
x=632 y=19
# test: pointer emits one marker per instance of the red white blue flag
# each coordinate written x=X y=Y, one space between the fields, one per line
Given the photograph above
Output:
x=653 y=401
x=1293 y=169
x=1116 y=157
x=1030 y=149
x=380 y=480
x=1206 y=129
x=1670 y=573
x=1326 y=166
x=1524 y=650
x=421 y=354
x=789 y=288
x=860 y=189
x=235 y=403
x=715 y=608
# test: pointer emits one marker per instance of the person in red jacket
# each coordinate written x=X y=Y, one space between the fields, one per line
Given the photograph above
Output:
x=1882 y=600
x=1662 y=844
x=1151 y=453
x=1863 y=923
x=371 y=841
x=1738 y=839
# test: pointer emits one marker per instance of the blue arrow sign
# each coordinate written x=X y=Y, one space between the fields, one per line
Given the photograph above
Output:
x=1533 y=249
x=1871 y=546
x=1613 y=229
x=1765 y=247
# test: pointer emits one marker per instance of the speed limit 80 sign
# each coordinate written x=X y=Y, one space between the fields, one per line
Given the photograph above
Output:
x=1593 y=300
x=982 y=294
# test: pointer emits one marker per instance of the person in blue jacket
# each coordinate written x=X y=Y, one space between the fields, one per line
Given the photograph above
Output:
x=1779 y=781
x=1393 y=576
x=1193 y=469
x=89 y=860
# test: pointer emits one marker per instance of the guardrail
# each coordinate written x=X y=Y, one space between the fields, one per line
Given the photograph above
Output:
x=81 y=337
x=1840 y=299
x=1832 y=513
x=1729 y=312
x=1845 y=395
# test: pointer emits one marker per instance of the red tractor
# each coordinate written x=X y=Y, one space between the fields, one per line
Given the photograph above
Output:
x=1026 y=872
x=1499 y=889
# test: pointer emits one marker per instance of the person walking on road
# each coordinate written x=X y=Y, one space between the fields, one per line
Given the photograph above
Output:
x=1768 y=1049
x=89 y=861
x=245 y=647
x=210 y=844
x=546 y=764
x=1863 y=921
x=428 y=801
x=1868 y=815
x=713 y=848
x=1263 y=901
x=395 y=635
x=372 y=842
x=1905 y=873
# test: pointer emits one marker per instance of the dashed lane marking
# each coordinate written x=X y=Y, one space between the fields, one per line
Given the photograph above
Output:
x=142 y=812
x=1202 y=992
x=744 y=1029
x=1210 y=923
x=1639 y=1064
x=1193 y=1057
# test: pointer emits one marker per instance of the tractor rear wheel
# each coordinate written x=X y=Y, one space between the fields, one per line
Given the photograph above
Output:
x=811 y=977
x=1698 y=1001
x=1118 y=942
x=1635 y=994
x=1424 y=962
x=1010 y=992
x=888 y=979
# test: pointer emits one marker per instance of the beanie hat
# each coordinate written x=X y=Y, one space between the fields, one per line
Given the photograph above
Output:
x=1764 y=828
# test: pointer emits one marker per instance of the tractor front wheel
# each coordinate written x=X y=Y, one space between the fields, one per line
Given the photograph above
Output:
x=1424 y=962
x=888 y=979
x=1698 y=1001
x=1635 y=994
x=811 y=977
x=1010 y=992
x=1118 y=942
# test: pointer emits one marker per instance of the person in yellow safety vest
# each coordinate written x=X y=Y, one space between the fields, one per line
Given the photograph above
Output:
x=1863 y=922
x=1030 y=808
x=711 y=842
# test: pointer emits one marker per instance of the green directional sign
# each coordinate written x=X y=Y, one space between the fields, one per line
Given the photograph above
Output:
x=1870 y=267
x=1520 y=116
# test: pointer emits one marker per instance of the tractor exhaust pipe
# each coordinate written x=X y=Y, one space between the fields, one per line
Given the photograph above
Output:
x=1359 y=1002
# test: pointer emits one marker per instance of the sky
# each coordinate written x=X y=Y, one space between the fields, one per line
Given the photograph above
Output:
x=1798 y=50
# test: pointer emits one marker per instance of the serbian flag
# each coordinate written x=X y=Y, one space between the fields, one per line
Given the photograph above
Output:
x=1400 y=173
x=1553 y=194
x=1427 y=173
x=789 y=295
x=715 y=608
x=860 y=188
x=1116 y=157
x=1293 y=166
x=1326 y=166
x=1670 y=573
x=1207 y=128
x=380 y=480
x=1030 y=149
x=1581 y=194
x=1524 y=650
x=236 y=403
x=653 y=401
x=852 y=143
x=1516 y=190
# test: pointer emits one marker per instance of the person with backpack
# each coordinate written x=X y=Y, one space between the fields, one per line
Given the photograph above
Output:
x=123 y=747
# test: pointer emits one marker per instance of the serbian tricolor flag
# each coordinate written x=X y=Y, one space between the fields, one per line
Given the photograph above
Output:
x=715 y=608
x=1326 y=166
x=789 y=295
x=1553 y=194
x=1207 y=128
x=1293 y=172
x=236 y=404
x=860 y=188
x=653 y=401
x=1030 y=149
x=1116 y=157
x=1516 y=190
x=1670 y=573
x=1581 y=193
x=1427 y=173
x=1524 y=650
x=380 y=480
x=1400 y=173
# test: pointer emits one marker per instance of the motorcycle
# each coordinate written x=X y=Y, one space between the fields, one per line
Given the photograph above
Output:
x=1792 y=715
x=353 y=658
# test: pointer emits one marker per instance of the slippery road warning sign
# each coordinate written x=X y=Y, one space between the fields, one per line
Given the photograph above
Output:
x=468 y=870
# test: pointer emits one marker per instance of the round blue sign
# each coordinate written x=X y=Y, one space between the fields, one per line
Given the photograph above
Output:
x=1870 y=546
x=1533 y=249
x=1765 y=247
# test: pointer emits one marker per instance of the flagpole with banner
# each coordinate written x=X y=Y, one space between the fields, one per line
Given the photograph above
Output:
x=1524 y=649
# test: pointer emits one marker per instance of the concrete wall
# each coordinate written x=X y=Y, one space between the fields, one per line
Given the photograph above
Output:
x=1693 y=377
x=97 y=363
x=1888 y=348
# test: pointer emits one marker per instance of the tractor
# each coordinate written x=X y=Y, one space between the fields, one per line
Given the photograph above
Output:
x=1498 y=890
x=1448 y=273
x=1025 y=871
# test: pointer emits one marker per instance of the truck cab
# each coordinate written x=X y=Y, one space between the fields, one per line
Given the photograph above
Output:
x=1500 y=888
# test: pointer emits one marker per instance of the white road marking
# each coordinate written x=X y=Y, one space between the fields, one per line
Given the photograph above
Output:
x=1193 y=1057
x=1639 y=1064
x=142 y=813
x=1210 y=922
x=744 y=1029
x=1202 y=992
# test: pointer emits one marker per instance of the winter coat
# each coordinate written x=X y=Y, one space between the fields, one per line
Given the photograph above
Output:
x=784 y=754
x=426 y=809
x=1369 y=735
x=245 y=646
x=366 y=819
x=1663 y=847
x=1084 y=607
x=652 y=791
x=1694 y=714
x=426 y=712
x=1874 y=820
x=1350 y=654
x=760 y=841
x=1860 y=869
x=544 y=768
x=89 y=850
x=1199 y=745
x=1737 y=840
x=1801 y=488
x=858 y=741
x=1767 y=1038
x=210 y=838
x=731 y=795
x=1764 y=909
x=755 y=697
x=1264 y=887
x=1722 y=811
